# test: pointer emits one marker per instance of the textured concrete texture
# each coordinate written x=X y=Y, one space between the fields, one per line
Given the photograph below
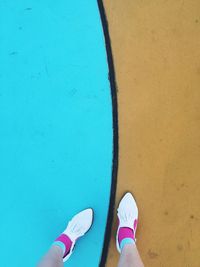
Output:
x=156 y=48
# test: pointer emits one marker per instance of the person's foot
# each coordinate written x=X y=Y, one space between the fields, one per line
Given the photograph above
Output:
x=127 y=213
x=77 y=227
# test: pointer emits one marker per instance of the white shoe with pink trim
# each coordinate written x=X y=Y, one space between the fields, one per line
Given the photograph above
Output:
x=79 y=225
x=127 y=213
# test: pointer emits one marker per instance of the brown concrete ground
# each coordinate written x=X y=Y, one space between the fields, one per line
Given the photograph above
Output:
x=156 y=47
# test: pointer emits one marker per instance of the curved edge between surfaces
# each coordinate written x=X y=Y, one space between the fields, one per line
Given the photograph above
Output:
x=113 y=87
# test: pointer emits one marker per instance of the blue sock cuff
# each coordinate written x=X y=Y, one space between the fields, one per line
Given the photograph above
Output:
x=59 y=244
x=126 y=241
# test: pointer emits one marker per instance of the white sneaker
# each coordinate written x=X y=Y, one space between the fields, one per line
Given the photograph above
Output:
x=77 y=227
x=127 y=213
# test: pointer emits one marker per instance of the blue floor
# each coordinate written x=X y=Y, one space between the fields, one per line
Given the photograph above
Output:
x=55 y=127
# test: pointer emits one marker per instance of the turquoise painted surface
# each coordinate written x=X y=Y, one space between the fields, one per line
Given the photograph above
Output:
x=55 y=127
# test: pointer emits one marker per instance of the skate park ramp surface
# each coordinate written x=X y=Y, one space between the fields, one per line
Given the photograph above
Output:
x=56 y=132
x=155 y=46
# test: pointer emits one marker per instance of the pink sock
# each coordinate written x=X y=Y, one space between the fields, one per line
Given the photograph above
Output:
x=64 y=242
x=126 y=232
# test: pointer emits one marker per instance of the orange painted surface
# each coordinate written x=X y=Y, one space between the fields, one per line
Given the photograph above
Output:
x=156 y=48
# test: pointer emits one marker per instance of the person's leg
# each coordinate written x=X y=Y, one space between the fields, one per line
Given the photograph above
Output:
x=53 y=258
x=63 y=246
x=127 y=213
x=130 y=257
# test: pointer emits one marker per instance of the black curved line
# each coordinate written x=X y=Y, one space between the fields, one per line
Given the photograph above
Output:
x=115 y=134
